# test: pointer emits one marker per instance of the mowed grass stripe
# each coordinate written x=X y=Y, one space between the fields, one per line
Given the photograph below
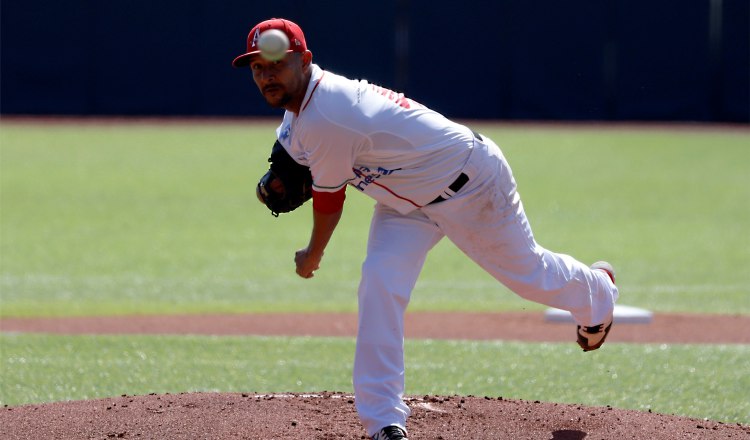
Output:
x=690 y=380
x=155 y=218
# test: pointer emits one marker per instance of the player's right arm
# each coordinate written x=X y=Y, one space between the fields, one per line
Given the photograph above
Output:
x=327 y=210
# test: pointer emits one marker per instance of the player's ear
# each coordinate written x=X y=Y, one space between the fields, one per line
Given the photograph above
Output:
x=306 y=58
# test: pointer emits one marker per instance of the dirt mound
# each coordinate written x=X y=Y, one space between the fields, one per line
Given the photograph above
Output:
x=332 y=415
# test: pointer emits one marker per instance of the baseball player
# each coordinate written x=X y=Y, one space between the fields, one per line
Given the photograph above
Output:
x=431 y=178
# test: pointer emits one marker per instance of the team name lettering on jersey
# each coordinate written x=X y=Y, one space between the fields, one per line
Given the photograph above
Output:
x=366 y=176
x=397 y=98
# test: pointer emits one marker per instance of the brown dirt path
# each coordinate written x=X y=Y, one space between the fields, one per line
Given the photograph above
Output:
x=518 y=326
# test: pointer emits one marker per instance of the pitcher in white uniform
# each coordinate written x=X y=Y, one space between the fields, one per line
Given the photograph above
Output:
x=431 y=178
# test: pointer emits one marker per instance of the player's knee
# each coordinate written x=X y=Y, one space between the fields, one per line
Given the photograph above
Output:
x=389 y=274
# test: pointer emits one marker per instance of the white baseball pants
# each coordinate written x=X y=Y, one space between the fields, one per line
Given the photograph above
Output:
x=486 y=220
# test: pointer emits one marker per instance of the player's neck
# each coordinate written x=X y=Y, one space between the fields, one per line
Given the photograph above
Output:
x=295 y=104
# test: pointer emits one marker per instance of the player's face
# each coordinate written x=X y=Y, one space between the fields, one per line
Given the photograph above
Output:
x=282 y=83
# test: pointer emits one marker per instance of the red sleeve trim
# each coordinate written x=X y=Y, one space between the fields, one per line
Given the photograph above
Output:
x=329 y=202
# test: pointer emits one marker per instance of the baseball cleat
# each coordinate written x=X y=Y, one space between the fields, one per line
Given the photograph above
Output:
x=390 y=433
x=591 y=338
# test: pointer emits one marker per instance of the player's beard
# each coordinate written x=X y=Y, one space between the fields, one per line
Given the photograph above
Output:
x=276 y=101
x=280 y=102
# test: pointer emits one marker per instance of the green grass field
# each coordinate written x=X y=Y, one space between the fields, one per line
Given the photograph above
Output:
x=146 y=218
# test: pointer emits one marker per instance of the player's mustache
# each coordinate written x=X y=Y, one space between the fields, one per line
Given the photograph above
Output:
x=268 y=87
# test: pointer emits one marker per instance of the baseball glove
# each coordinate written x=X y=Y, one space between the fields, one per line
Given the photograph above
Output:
x=287 y=185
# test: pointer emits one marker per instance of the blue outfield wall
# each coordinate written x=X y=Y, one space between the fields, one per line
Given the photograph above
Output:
x=508 y=59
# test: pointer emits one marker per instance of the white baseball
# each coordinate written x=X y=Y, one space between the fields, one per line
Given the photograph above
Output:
x=273 y=44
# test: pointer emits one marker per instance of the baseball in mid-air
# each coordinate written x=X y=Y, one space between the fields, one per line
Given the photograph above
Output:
x=273 y=44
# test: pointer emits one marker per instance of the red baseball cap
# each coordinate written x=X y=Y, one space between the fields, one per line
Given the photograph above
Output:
x=292 y=31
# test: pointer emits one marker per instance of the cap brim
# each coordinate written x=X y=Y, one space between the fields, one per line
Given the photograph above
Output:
x=244 y=59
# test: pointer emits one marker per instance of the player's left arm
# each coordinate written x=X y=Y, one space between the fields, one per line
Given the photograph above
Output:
x=327 y=210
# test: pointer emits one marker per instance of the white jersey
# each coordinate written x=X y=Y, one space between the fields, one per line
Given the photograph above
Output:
x=393 y=149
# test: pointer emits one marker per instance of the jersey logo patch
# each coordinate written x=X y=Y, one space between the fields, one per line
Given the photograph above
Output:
x=285 y=133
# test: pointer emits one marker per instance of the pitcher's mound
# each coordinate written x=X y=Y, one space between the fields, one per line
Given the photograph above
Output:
x=333 y=416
